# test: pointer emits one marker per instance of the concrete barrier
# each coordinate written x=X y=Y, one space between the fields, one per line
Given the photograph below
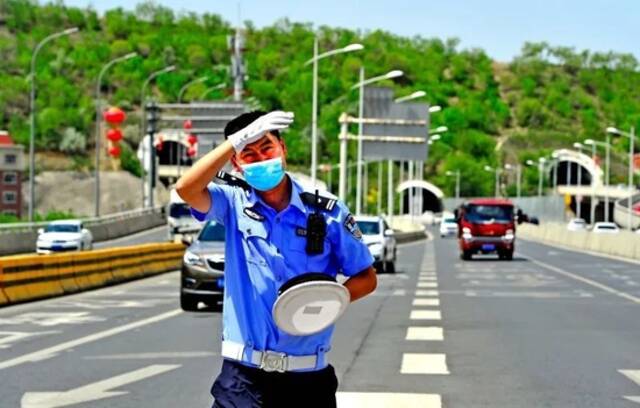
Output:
x=29 y=277
x=21 y=238
x=625 y=244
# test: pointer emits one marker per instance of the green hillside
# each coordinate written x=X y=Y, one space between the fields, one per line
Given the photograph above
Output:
x=547 y=97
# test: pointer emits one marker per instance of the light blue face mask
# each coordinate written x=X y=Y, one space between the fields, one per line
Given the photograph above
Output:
x=264 y=175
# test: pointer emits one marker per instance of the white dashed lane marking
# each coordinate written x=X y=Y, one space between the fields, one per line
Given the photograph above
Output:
x=427 y=293
x=427 y=284
x=425 y=315
x=426 y=302
x=425 y=334
x=424 y=363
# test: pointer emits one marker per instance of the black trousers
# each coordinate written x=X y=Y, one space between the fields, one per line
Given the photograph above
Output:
x=239 y=386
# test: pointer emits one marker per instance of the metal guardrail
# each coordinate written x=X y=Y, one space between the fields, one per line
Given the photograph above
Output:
x=93 y=221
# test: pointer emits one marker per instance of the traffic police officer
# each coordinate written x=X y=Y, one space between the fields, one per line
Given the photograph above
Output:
x=266 y=222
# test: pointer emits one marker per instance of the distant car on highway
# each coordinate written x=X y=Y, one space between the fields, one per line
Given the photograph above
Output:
x=605 y=228
x=63 y=235
x=179 y=219
x=202 y=272
x=577 y=224
x=448 y=227
x=380 y=239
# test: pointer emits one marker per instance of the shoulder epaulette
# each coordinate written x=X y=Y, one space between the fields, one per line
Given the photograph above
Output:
x=319 y=202
x=233 y=180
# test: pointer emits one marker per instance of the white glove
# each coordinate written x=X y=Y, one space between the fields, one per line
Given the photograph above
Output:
x=276 y=120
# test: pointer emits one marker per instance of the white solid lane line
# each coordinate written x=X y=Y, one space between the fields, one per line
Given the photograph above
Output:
x=426 y=302
x=387 y=399
x=425 y=315
x=588 y=281
x=427 y=292
x=425 y=333
x=52 y=351
x=424 y=363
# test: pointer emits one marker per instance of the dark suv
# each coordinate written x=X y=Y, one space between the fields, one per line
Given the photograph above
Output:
x=202 y=277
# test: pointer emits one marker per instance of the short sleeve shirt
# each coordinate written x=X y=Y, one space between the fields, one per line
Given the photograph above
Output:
x=264 y=249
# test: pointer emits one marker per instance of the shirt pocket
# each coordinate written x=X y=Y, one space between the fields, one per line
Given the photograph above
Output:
x=309 y=263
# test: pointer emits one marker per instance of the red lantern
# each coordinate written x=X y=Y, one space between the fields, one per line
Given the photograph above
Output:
x=114 y=134
x=191 y=151
x=192 y=139
x=187 y=124
x=114 y=151
x=114 y=115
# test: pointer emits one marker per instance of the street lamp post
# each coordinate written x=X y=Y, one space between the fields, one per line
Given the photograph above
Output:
x=497 y=172
x=361 y=85
x=188 y=84
x=314 y=110
x=213 y=88
x=632 y=136
x=607 y=147
x=98 y=135
x=152 y=155
x=518 y=170
x=32 y=108
x=457 y=176
x=541 y=162
x=579 y=146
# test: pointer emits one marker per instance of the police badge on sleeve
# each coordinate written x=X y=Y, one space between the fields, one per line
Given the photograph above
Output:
x=352 y=226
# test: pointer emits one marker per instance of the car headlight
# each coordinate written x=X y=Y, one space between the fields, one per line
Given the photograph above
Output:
x=508 y=236
x=375 y=248
x=466 y=233
x=192 y=259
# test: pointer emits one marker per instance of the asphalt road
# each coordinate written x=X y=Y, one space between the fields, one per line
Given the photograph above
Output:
x=550 y=329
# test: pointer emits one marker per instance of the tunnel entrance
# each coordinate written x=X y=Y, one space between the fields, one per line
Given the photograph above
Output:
x=427 y=197
x=569 y=172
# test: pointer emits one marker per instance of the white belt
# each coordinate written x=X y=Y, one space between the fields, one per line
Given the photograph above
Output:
x=268 y=360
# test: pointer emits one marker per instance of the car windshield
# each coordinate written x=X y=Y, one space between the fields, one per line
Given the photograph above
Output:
x=579 y=222
x=212 y=232
x=369 y=227
x=62 y=228
x=488 y=213
x=450 y=220
x=179 y=210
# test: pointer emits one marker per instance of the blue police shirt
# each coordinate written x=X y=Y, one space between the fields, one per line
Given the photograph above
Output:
x=263 y=250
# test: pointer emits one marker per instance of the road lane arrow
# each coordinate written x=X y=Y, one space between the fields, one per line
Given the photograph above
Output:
x=633 y=375
x=92 y=392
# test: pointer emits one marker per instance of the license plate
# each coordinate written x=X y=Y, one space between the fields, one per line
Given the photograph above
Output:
x=56 y=247
x=488 y=247
x=220 y=283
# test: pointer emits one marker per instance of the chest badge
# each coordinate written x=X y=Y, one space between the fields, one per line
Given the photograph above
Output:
x=254 y=215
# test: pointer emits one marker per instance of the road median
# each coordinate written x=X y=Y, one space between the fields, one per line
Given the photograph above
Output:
x=29 y=277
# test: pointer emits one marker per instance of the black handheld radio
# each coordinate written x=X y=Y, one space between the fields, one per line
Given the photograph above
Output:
x=316 y=231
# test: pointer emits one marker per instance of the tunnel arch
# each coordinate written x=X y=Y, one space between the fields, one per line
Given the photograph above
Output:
x=431 y=195
x=575 y=162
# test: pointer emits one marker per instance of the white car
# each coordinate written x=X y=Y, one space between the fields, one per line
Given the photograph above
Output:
x=605 y=228
x=577 y=224
x=380 y=240
x=448 y=227
x=63 y=235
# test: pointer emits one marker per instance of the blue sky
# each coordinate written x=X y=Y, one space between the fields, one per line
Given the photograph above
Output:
x=498 y=26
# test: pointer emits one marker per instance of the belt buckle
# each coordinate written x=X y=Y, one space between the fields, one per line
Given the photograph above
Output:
x=273 y=361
